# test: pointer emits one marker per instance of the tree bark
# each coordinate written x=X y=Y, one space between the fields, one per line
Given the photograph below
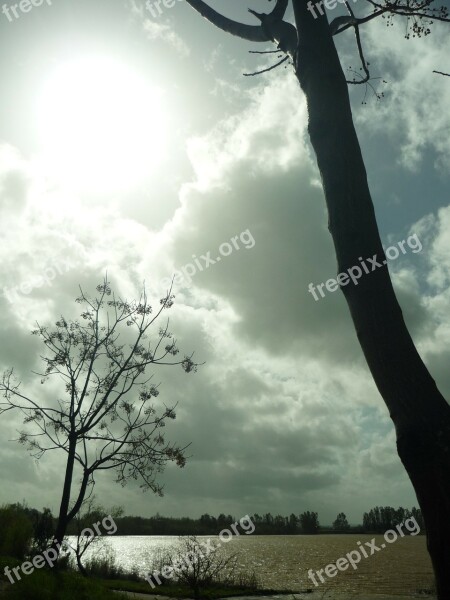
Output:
x=65 y=499
x=81 y=495
x=80 y=565
x=419 y=412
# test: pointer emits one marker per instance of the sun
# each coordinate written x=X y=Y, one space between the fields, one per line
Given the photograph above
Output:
x=101 y=126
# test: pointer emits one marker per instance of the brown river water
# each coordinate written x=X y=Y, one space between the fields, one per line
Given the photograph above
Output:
x=402 y=568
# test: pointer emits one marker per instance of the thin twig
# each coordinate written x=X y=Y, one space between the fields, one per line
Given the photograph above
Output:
x=264 y=51
x=360 y=50
x=268 y=69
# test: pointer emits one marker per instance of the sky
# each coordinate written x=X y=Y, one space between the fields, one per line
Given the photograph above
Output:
x=131 y=143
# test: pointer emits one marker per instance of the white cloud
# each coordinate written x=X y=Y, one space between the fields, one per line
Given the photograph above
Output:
x=284 y=412
x=415 y=108
x=164 y=32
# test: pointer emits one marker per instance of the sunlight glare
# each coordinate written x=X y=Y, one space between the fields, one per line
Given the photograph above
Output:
x=102 y=127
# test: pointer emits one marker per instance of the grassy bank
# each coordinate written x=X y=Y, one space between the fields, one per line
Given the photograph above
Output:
x=213 y=592
x=52 y=585
x=46 y=584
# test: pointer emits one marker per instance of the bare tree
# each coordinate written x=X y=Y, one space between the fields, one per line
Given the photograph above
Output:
x=199 y=565
x=420 y=413
x=99 y=423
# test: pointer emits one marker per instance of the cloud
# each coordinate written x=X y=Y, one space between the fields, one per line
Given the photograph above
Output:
x=156 y=28
x=414 y=110
x=164 y=32
x=284 y=415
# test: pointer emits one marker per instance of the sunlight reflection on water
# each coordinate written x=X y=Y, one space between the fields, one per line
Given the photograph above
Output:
x=282 y=562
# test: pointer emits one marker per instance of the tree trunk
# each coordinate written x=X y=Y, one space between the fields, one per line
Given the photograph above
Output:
x=81 y=495
x=80 y=564
x=65 y=500
x=420 y=413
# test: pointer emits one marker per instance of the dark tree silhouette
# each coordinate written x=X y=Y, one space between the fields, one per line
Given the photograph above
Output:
x=382 y=518
x=293 y=523
x=309 y=522
x=100 y=424
x=341 y=523
x=420 y=413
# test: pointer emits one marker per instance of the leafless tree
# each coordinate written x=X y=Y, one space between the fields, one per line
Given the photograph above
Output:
x=99 y=423
x=420 y=413
x=199 y=564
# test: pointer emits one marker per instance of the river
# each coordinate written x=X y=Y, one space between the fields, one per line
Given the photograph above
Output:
x=400 y=568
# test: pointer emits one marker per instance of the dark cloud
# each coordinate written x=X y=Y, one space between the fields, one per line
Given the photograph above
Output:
x=283 y=416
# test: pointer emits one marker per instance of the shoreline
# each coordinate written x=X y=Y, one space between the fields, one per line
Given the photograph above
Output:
x=295 y=596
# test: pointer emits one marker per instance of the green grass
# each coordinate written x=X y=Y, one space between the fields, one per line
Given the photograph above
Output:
x=52 y=585
x=48 y=584
x=7 y=561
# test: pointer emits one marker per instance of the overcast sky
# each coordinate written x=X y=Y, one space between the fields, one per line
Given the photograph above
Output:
x=131 y=143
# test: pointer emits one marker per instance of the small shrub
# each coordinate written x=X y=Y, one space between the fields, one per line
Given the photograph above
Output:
x=206 y=570
x=42 y=531
x=103 y=565
x=246 y=581
x=16 y=531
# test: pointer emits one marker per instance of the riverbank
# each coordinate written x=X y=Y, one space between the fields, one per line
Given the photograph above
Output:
x=298 y=596
x=67 y=584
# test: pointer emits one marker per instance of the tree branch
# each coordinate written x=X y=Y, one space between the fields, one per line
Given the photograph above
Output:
x=366 y=77
x=267 y=69
x=252 y=33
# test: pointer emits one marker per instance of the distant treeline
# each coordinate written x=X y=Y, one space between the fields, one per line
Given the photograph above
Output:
x=382 y=518
x=377 y=520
